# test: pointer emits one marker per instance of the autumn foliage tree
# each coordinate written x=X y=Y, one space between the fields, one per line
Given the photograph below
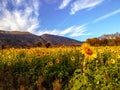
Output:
x=48 y=44
x=103 y=42
x=38 y=44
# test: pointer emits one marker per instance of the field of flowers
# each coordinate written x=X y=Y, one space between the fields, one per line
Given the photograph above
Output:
x=63 y=68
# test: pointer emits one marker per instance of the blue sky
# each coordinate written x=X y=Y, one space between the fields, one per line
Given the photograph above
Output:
x=77 y=19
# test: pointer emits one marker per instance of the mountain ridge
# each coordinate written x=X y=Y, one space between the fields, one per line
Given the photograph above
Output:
x=19 y=39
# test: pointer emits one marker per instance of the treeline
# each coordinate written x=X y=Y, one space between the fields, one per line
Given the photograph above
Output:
x=103 y=42
x=7 y=45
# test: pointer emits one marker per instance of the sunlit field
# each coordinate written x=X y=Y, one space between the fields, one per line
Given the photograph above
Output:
x=63 y=68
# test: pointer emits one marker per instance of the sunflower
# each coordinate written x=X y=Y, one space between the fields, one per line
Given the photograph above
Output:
x=57 y=60
x=9 y=63
x=43 y=53
x=38 y=55
x=48 y=53
x=50 y=63
x=88 y=51
x=112 y=61
x=72 y=58
x=9 y=56
x=97 y=61
x=118 y=56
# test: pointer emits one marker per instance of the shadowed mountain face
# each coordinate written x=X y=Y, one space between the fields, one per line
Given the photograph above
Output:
x=26 y=39
x=59 y=40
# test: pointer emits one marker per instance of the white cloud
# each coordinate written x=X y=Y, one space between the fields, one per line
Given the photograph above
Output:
x=23 y=17
x=64 y=4
x=71 y=31
x=26 y=19
x=67 y=31
x=78 y=30
x=84 y=4
x=107 y=16
x=36 y=5
x=54 y=32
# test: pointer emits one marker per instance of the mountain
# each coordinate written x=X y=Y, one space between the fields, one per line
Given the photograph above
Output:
x=110 y=36
x=59 y=40
x=18 y=39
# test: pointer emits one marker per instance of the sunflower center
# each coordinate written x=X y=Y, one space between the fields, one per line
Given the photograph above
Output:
x=88 y=51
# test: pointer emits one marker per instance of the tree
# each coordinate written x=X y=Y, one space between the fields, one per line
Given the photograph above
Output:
x=104 y=42
x=2 y=46
x=48 y=44
x=38 y=44
x=93 y=41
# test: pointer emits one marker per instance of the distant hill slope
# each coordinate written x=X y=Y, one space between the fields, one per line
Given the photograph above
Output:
x=110 y=36
x=18 y=39
x=26 y=39
x=59 y=40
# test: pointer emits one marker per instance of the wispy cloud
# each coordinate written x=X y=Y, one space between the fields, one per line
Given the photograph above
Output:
x=107 y=16
x=64 y=4
x=79 y=31
x=84 y=4
x=67 y=31
x=20 y=15
x=72 y=31
x=54 y=32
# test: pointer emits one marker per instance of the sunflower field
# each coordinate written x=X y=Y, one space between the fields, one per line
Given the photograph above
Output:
x=64 y=68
